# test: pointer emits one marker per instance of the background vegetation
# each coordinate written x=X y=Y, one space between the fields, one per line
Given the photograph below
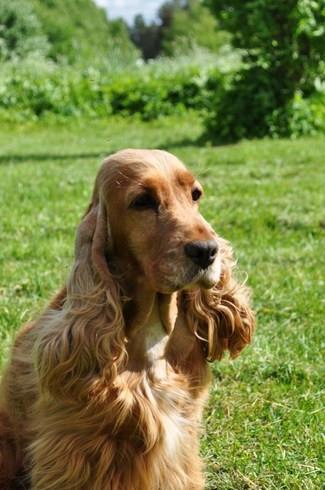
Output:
x=249 y=69
x=180 y=27
x=75 y=32
x=76 y=86
x=283 y=46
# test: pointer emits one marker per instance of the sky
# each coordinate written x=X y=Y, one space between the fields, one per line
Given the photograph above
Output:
x=129 y=8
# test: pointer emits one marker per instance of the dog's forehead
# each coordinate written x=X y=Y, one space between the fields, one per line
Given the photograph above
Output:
x=145 y=166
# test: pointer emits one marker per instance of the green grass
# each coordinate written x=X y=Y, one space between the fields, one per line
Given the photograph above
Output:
x=264 y=417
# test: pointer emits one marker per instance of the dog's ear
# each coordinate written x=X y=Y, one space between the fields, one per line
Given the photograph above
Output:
x=93 y=243
x=221 y=317
x=86 y=341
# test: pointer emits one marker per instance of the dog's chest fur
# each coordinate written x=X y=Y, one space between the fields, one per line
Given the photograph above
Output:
x=160 y=396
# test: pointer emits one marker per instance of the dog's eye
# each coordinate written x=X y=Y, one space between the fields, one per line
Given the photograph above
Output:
x=144 y=201
x=196 y=194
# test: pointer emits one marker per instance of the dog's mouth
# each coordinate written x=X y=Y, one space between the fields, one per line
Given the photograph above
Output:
x=191 y=277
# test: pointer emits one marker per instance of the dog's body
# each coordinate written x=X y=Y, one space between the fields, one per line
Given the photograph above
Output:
x=106 y=389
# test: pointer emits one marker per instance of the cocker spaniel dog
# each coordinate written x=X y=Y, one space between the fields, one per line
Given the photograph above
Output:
x=105 y=390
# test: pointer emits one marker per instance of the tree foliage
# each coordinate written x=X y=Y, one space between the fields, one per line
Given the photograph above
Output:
x=283 y=45
x=147 y=37
x=181 y=26
x=20 y=30
x=79 y=30
x=192 y=25
x=74 y=31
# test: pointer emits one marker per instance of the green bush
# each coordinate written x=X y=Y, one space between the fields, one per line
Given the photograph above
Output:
x=239 y=108
x=300 y=117
x=151 y=97
x=34 y=88
x=55 y=90
x=283 y=47
x=35 y=91
x=246 y=106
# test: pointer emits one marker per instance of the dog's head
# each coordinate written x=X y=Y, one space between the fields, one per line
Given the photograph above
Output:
x=150 y=203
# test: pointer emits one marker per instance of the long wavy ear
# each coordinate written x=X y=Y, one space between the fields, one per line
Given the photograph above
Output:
x=221 y=317
x=82 y=344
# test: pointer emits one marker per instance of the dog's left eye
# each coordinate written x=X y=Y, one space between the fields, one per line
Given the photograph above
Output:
x=196 y=194
x=144 y=201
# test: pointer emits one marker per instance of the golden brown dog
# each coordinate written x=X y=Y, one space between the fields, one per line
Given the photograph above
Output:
x=105 y=390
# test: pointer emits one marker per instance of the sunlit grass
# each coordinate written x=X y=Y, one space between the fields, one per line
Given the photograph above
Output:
x=263 y=421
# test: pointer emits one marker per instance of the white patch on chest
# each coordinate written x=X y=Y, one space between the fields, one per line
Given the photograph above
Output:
x=168 y=397
x=156 y=340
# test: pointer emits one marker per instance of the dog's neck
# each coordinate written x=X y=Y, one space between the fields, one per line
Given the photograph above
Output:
x=146 y=306
x=150 y=318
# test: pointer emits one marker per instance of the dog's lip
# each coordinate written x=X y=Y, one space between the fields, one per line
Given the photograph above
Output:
x=206 y=283
x=195 y=277
x=198 y=280
x=201 y=278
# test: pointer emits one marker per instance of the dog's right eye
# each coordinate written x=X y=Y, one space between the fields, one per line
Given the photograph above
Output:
x=144 y=201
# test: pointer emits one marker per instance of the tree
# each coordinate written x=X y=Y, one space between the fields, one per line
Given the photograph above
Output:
x=192 y=25
x=73 y=32
x=181 y=26
x=79 y=32
x=20 y=30
x=147 y=37
x=283 y=45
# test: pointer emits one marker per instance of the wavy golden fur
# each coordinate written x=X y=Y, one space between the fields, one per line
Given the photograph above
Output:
x=105 y=390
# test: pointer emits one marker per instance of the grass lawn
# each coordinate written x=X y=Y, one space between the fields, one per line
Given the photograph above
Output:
x=264 y=418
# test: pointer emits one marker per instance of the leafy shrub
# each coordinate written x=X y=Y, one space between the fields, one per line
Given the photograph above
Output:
x=35 y=88
x=283 y=47
x=152 y=97
x=34 y=92
x=56 y=90
x=303 y=116
x=246 y=106
x=240 y=108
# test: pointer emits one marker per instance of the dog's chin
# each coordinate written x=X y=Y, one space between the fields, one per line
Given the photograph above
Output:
x=196 y=277
x=206 y=278
x=207 y=282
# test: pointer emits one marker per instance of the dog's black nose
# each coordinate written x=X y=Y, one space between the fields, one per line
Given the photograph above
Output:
x=202 y=252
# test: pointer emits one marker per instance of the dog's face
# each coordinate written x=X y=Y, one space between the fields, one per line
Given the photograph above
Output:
x=154 y=220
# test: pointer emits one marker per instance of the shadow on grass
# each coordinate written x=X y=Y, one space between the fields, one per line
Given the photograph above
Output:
x=169 y=145
x=200 y=141
x=42 y=157
x=183 y=143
